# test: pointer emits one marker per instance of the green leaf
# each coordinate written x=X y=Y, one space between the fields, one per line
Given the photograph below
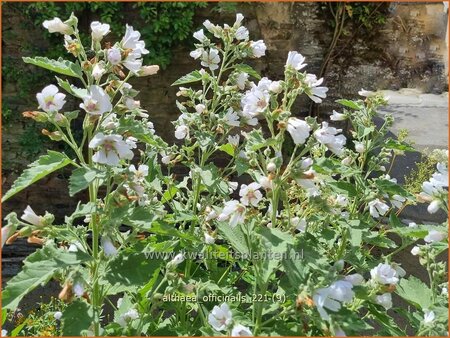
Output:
x=247 y=69
x=43 y=166
x=76 y=318
x=235 y=236
x=131 y=270
x=17 y=329
x=188 y=78
x=38 y=269
x=71 y=89
x=227 y=148
x=416 y=292
x=397 y=145
x=344 y=187
x=81 y=178
x=59 y=66
x=349 y=104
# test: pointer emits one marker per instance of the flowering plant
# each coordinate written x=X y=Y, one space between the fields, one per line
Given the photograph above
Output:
x=271 y=230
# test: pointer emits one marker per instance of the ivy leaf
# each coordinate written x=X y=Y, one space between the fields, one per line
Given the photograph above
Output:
x=59 y=66
x=414 y=291
x=349 y=104
x=242 y=67
x=81 y=178
x=76 y=318
x=194 y=76
x=44 y=165
x=38 y=269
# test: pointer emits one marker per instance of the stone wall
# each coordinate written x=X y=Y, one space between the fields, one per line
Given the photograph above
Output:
x=409 y=50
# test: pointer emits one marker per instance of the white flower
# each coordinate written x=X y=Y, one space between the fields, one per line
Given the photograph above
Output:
x=97 y=102
x=271 y=167
x=255 y=101
x=337 y=116
x=242 y=33
x=166 y=158
x=299 y=223
x=177 y=260
x=266 y=182
x=378 y=208
x=231 y=118
x=295 y=60
x=232 y=185
x=50 y=100
x=342 y=200
x=384 y=274
x=57 y=315
x=114 y=55
x=131 y=41
x=434 y=206
x=215 y=29
x=241 y=331
x=275 y=87
x=75 y=246
x=127 y=317
x=220 y=317
x=434 y=236
x=233 y=212
x=328 y=136
x=239 y=18
x=415 y=251
x=233 y=140
x=209 y=239
x=298 y=129
x=315 y=93
x=428 y=317
x=249 y=119
x=366 y=93
x=385 y=300
x=30 y=216
x=241 y=80
x=148 y=70
x=200 y=35
x=412 y=225
x=181 y=132
x=355 y=279
x=200 y=108
x=250 y=194
x=331 y=297
x=4 y=333
x=210 y=59
x=211 y=215
x=306 y=163
x=444 y=291
x=359 y=147
x=131 y=104
x=133 y=62
x=108 y=247
x=57 y=26
x=98 y=70
x=140 y=173
x=99 y=30
x=7 y=231
x=111 y=149
x=78 y=289
x=258 y=48
x=397 y=201
x=195 y=54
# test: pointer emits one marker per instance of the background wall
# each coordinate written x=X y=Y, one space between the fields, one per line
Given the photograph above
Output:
x=405 y=50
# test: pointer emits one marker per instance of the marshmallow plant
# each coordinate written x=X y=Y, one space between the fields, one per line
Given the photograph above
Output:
x=281 y=225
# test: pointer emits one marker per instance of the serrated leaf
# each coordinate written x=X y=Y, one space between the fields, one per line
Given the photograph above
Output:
x=235 y=236
x=349 y=104
x=194 y=76
x=38 y=269
x=71 y=89
x=59 y=66
x=247 y=69
x=415 y=291
x=81 y=178
x=76 y=318
x=37 y=170
x=131 y=270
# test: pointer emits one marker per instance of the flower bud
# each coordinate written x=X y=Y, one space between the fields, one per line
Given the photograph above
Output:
x=148 y=70
x=271 y=167
x=38 y=116
x=54 y=136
